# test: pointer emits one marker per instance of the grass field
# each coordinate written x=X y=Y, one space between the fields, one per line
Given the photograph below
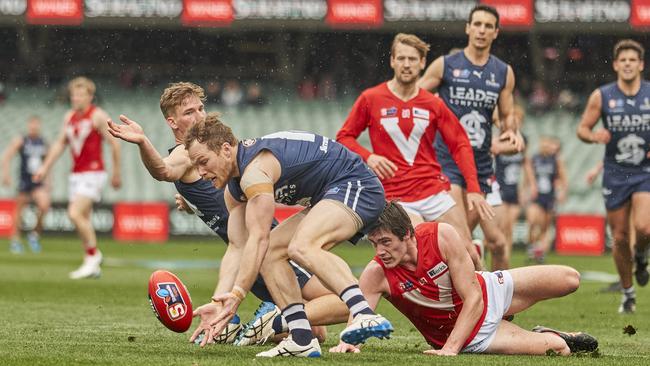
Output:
x=48 y=319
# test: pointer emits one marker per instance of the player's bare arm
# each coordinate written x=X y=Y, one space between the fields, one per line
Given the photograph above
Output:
x=374 y=286
x=8 y=154
x=589 y=119
x=464 y=279
x=562 y=182
x=176 y=166
x=228 y=270
x=432 y=76
x=506 y=108
x=529 y=178
x=54 y=152
x=99 y=120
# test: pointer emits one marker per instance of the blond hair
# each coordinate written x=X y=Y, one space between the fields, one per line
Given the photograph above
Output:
x=410 y=40
x=210 y=131
x=82 y=82
x=174 y=95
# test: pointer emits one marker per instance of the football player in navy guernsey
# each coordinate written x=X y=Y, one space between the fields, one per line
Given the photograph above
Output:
x=342 y=195
x=432 y=281
x=182 y=105
x=32 y=149
x=473 y=83
x=624 y=108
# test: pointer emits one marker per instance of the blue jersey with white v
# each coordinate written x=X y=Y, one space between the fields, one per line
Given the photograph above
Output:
x=312 y=167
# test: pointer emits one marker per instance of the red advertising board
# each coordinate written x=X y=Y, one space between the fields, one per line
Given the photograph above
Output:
x=580 y=234
x=7 y=217
x=55 y=12
x=141 y=222
x=354 y=13
x=213 y=13
x=513 y=13
x=640 y=14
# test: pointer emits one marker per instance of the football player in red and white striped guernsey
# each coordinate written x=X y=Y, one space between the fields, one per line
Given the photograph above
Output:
x=431 y=280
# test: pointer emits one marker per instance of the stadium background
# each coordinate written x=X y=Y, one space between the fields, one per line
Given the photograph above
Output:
x=307 y=60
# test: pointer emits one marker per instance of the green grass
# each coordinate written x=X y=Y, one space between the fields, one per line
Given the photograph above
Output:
x=48 y=319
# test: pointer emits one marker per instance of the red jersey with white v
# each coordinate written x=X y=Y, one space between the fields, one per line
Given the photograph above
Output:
x=427 y=296
x=85 y=142
x=403 y=132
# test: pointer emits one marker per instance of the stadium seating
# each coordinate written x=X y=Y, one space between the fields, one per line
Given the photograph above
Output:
x=281 y=112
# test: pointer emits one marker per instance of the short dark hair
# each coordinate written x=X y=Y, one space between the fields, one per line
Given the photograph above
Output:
x=210 y=131
x=485 y=8
x=395 y=220
x=628 y=44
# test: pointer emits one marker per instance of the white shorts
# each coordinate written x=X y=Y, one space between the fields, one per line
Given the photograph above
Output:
x=87 y=184
x=494 y=198
x=499 y=287
x=432 y=207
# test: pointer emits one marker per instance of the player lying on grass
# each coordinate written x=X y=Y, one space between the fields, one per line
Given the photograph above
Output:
x=182 y=106
x=432 y=282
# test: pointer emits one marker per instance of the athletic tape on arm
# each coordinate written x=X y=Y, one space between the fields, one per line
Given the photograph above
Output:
x=254 y=182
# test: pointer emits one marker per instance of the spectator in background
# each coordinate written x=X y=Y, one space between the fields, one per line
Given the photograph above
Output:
x=254 y=97
x=3 y=92
x=539 y=100
x=232 y=94
x=326 y=87
x=213 y=92
x=307 y=89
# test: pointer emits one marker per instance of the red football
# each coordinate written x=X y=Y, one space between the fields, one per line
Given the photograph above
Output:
x=170 y=301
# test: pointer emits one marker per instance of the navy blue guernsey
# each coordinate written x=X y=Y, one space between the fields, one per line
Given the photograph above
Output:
x=508 y=168
x=207 y=203
x=32 y=154
x=627 y=118
x=546 y=171
x=310 y=163
x=472 y=93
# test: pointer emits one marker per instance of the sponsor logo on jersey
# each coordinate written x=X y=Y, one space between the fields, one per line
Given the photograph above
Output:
x=499 y=275
x=646 y=104
x=462 y=74
x=607 y=191
x=406 y=113
x=437 y=270
x=471 y=97
x=388 y=112
x=492 y=81
x=406 y=285
x=615 y=103
x=176 y=306
x=631 y=102
x=248 y=142
x=324 y=144
x=477 y=74
x=420 y=113
x=333 y=190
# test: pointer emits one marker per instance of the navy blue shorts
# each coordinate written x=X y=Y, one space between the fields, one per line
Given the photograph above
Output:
x=27 y=186
x=261 y=292
x=450 y=169
x=546 y=201
x=364 y=196
x=618 y=187
x=509 y=194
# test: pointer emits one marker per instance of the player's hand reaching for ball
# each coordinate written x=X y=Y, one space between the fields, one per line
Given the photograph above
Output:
x=206 y=313
x=345 y=348
x=128 y=131
x=230 y=302
x=383 y=167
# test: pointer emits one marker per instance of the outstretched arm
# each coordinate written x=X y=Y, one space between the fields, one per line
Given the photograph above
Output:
x=53 y=153
x=467 y=286
x=169 y=169
x=7 y=155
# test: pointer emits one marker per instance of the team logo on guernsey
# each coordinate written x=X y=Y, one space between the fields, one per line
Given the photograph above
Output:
x=463 y=74
x=438 y=269
x=389 y=112
x=646 y=104
x=615 y=103
x=176 y=307
x=420 y=113
x=248 y=142
x=406 y=113
x=406 y=285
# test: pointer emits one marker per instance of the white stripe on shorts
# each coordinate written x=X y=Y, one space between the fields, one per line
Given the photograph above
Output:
x=356 y=197
x=295 y=265
x=347 y=193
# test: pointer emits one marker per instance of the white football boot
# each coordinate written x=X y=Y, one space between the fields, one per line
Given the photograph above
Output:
x=90 y=268
x=364 y=326
x=260 y=329
x=289 y=348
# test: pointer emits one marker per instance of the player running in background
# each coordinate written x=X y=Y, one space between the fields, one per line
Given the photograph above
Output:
x=182 y=106
x=32 y=149
x=84 y=130
x=432 y=281
x=343 y=196
x=548 y=186
x=624 y=107
x=507 y=169
x=402 y=120
x=473 y=83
